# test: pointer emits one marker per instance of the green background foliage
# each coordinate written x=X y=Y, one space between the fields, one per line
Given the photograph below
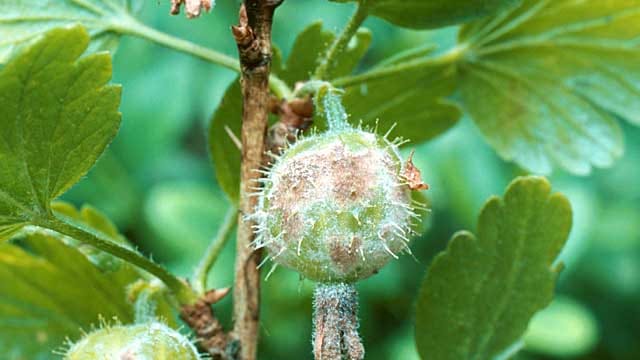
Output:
x=155 y=181
x=40 y=316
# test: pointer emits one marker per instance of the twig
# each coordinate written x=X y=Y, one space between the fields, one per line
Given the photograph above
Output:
x=210 y=334
x=253 y=37
x=213 y=251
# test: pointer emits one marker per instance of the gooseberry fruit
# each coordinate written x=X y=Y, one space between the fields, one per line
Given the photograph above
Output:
x=335 y=206
x=147 y=341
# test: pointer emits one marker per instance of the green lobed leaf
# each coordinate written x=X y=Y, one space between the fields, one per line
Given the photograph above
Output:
x=542 y=81
x=58 y=116
x=50 y=291
x=479 y=295
x=22 y=21
x=414 y=101
x=429 y=14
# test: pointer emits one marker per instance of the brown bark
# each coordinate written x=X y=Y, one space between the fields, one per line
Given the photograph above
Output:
x=253 y=37
x=210 y=335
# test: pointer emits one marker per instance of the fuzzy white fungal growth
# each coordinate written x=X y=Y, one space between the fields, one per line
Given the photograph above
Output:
x=335 y=323
x=335 y=206
x=149 y=341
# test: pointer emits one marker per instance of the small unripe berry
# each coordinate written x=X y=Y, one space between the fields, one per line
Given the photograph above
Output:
x=335 y=206
x=150 y=341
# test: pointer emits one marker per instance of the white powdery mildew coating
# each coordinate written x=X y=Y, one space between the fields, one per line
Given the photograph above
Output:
x=334 y=206
x=149 y=341
x=335 y=322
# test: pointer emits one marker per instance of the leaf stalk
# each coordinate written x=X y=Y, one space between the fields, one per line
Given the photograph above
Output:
x=213 y=251
x=450 y=57
x=180 y=289
x=133 y=27
x=354 y=23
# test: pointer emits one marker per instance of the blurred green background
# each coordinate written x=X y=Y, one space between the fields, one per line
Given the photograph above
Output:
x=157 y=183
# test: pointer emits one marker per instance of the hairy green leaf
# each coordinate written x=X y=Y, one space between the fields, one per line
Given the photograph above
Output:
x=50 y=291
x=22 y=21
x=542 y=81
x=428 y=14
x=479 y=295
x=311 y=45
x=414 y=101
x=58 y=116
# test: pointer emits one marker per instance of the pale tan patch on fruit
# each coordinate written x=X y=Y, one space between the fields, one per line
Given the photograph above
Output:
x=344 y=252
x=334 y=174
x=128 y=355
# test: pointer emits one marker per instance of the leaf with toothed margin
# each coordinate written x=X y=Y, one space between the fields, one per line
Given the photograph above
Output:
x=23 y=21
x=543 y=80
x=479 y=295
x=58 y=116
x=47 y=97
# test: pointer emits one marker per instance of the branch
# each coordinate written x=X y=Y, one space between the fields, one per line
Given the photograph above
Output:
x=253 y=37
x=129 y=25
x=209 y=332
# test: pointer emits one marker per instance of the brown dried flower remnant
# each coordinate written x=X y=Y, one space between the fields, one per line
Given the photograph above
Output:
x=193 y=7
x=295 y=115
x=413 y=176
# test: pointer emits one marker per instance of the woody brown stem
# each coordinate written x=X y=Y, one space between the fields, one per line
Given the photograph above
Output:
x=335 y=323
x=253 y=37
x=210 y=335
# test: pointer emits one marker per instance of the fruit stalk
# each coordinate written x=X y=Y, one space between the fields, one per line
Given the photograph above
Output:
x=335 y=323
